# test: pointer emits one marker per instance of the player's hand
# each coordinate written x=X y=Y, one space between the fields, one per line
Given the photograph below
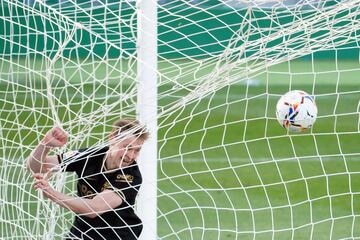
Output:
x=42 y=184
x=56 y=137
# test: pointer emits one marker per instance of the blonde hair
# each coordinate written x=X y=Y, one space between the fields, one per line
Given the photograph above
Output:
x=132 y=125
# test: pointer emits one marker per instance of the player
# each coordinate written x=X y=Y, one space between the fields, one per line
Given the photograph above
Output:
x=108 y=181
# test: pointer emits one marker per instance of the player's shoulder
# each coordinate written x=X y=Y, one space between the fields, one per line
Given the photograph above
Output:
x=82 y=154
x=92 y=152
x=72 y=153
x=86 y=159
x=95 y=152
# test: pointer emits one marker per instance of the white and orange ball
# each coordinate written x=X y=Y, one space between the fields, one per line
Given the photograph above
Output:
x=296 y=111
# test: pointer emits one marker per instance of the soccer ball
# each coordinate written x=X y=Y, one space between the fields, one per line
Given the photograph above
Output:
x=296 y=111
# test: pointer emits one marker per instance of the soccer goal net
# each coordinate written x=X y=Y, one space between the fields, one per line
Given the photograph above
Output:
x=225 y=168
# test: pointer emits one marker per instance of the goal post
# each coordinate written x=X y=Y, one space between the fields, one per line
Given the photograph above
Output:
x=147 y=113
x=204 y=77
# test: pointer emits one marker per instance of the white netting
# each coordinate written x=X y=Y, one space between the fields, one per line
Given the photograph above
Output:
x=227 y=170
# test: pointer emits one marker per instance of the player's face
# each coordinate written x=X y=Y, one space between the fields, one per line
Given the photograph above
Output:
x=125 y=152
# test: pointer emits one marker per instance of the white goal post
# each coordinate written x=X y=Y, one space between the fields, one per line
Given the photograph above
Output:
x=204 y=77
x=147 y=113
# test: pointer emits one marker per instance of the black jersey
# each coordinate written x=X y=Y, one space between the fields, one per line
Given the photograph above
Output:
x=119 y=223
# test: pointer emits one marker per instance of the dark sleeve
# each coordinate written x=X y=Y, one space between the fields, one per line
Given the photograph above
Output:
x=72 y=161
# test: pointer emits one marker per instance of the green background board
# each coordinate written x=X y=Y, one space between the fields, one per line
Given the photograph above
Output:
x=200 y=32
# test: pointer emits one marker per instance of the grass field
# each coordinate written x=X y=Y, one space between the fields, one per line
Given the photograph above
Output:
x=227 y=170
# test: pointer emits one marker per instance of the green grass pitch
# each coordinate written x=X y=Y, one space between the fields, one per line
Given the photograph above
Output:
x=246 y=179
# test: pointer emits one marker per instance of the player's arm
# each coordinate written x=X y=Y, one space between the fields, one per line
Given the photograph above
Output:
x=101 y=203
x=39 y=161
